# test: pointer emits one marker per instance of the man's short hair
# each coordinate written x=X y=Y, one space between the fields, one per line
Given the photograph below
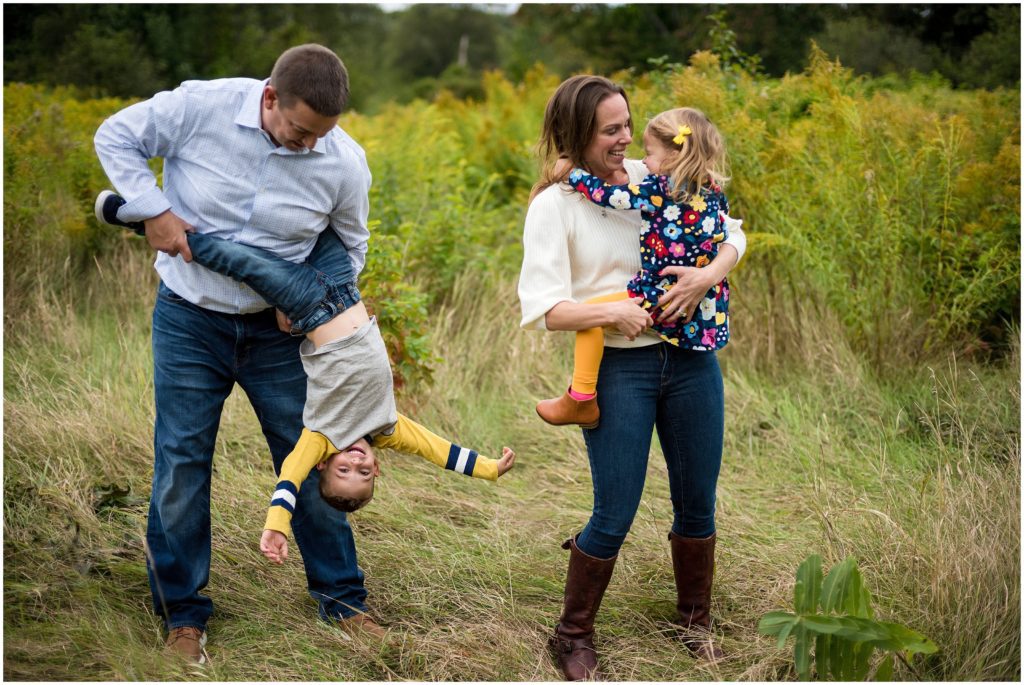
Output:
x=313 y=74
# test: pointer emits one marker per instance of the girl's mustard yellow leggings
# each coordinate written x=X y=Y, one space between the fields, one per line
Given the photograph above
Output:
x=590 y=350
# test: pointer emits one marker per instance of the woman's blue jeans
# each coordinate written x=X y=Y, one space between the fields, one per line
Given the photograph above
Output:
x=678 y=392
x=310 y=294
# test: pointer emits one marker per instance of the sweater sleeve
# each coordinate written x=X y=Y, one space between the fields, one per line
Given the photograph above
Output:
x=546 y=275
x=413 y=438
x=311 y=449
x=736 y=237
x=733 y=230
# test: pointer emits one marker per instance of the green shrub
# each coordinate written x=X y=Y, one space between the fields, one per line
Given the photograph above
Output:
x=836 y=618
x=882 y=213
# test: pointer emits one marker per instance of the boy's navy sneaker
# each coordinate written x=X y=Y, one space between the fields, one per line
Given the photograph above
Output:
x=107 y=204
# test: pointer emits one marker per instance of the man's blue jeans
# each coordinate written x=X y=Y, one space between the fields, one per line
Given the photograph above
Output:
x=310 y=294
x=198 y=356
x=679 y=392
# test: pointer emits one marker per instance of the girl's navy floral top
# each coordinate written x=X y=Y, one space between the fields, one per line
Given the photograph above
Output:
x=672 y=234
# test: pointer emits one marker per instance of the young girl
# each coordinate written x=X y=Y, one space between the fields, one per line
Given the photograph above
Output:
x=683 y=210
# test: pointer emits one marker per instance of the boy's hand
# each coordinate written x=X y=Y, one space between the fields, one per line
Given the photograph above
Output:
x=284 y=324
x=274 y=546
x=508 y=459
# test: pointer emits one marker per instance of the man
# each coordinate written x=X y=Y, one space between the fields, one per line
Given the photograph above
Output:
x=264 y=163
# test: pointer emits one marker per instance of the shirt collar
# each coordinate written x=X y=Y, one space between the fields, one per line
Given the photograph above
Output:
x=250 y=116
x=249 y=113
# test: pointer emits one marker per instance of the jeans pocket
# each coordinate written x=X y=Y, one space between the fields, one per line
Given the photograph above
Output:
x=166 y=293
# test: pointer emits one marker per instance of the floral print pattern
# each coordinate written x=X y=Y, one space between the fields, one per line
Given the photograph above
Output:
x=672 y=234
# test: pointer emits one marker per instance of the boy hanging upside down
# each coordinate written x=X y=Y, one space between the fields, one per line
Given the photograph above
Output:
x=349 y=388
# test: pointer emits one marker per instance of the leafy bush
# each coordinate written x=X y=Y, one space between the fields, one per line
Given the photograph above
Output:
x=52 y=241
x=835 y=616
x=881 y=213
x=51 y=176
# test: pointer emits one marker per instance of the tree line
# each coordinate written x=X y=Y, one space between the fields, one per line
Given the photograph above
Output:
x=134 y=50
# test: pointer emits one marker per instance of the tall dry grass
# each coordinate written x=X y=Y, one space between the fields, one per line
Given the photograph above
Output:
x=865 y=415
x=918 y=479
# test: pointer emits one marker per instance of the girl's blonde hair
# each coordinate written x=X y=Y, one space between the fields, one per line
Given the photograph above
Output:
x=699 y=155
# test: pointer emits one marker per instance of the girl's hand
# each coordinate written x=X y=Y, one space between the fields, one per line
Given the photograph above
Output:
x=507 y=461
x=630 y=318
x=274 y=546
x=562 y=168
x=681 y=300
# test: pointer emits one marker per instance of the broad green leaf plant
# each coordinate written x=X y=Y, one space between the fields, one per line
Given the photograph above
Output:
x=835 y=618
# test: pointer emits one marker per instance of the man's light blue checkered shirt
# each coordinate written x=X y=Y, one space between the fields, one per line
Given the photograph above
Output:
x=224 y=176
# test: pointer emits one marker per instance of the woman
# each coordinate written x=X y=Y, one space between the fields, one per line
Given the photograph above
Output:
x=574 y=251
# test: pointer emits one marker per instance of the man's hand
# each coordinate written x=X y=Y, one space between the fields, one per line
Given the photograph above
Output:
x=507 y=461
x=274 y=546
x=166 y=233
x=284 y=324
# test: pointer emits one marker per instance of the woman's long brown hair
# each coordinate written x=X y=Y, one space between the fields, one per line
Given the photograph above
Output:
x=570 y=120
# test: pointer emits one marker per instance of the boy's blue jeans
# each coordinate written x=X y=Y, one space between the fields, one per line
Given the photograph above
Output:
x=678 y=392
x=310 y=294
x=198 y=356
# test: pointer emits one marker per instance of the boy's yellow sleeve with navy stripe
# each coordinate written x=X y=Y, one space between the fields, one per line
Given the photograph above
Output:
x=311 y=449
x=413 y=438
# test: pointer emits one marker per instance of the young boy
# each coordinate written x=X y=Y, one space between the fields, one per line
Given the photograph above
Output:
x=349 y=393
x=347 y=476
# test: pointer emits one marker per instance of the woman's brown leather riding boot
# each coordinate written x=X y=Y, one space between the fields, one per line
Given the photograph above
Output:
x=567 y=411
x=693 y=561
x=573 y=641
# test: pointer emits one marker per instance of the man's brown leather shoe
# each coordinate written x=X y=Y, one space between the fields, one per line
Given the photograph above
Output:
x=362 y=624
x=188 y=642
x=566 y=411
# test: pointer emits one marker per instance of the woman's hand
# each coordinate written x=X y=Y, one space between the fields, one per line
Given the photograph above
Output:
x=507 y=461
x=274 y=546
x=681 y=300
x=626 y=316
x=629 y=318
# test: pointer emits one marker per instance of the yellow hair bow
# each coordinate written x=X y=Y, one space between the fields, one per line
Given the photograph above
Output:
x=684 y=131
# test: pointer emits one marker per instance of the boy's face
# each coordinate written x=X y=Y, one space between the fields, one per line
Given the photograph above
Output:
x=351 y=472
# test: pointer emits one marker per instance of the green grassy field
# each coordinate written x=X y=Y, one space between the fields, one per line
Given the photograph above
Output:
x=917 y=477
x=872 y=398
